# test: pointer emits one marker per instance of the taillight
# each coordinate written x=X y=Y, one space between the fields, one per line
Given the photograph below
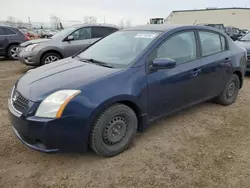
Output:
x=26 y=37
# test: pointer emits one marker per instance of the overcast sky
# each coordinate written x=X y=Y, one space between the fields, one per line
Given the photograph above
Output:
x=138 y=11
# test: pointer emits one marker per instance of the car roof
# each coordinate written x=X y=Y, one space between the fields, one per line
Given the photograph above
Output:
x=167 y=27
x=8 y=26
x=154 y=27
x=95 y=25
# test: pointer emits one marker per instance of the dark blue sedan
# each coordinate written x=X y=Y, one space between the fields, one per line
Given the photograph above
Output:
x=102 y=96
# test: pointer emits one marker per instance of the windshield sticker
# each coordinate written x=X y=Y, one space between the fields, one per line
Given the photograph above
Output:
x=146 y=36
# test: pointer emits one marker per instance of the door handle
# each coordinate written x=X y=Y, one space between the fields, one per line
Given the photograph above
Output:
x=227 y=61
x=195 y=72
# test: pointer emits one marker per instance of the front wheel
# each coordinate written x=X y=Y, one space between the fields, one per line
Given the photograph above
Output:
x=114 y=130
x=50 y=58
x=230 y=92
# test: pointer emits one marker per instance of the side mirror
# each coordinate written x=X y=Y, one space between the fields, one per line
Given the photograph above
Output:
x=69 y=38
x=163 y=63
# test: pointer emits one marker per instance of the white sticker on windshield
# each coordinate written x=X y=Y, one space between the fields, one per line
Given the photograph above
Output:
x=146 y=36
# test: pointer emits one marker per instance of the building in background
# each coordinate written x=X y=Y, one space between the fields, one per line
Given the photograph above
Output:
x=237 y=17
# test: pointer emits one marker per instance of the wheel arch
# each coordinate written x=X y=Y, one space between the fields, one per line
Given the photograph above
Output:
x=50 y=51
x=239 y=74
x=9 y=45
x=126 y=100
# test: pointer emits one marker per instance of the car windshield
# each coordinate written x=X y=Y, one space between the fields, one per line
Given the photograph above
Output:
x=63 y=33
x=120 y=48
x=246 y=37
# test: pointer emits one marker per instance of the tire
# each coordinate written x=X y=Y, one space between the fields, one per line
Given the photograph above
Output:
x=51 y=55
x=230 y=92
x=105 y=140
x=12 y=52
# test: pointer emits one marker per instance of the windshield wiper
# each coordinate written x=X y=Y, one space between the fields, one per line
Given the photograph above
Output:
x=95 y=62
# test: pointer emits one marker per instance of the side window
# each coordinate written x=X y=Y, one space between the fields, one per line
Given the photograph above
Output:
x=112 y=30
x=82 y=34
x=1 y=31
x=180 y=47
x=99 y=32
x=8 y=31
x=210 y=43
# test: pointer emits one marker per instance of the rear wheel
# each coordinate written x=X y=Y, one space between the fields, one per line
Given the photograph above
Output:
x=12 y=52
x=50 y=57
x=114 y=130
x=230 y=92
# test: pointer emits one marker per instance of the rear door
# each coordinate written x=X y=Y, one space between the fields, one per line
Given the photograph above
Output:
x=82 y=38
x=3 y=41
x=216 y=60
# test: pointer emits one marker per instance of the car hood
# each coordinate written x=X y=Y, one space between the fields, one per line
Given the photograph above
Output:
x=245 y=44
x=68 y=73
x=36 y=41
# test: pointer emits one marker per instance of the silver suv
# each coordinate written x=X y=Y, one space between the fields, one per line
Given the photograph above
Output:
x=63 y=44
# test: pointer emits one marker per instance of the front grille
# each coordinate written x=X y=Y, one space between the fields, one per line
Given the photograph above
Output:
x=20 y=103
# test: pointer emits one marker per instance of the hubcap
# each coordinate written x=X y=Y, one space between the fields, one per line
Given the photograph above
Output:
x=115 y=130
x=231 y=89
x=13 y=52
x=51 y=59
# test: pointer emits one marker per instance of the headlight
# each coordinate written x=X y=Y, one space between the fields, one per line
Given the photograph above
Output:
x=53 y=105
x=30 y=47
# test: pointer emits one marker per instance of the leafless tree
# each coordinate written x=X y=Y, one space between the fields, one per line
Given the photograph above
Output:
x=121 y=23
x=11 y=20
x=86 y=19
x=90 y=19
x=93 y=19
x=55 y=21
x=127 y=23
x=19 y=23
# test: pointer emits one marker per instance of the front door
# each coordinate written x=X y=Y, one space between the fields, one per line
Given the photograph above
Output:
x=176 y=88
x=82 y=38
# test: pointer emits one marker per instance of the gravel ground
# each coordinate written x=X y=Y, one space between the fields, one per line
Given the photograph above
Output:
x=203 y=146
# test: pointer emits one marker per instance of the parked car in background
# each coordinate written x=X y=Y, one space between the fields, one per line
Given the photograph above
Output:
x=245 y=43
x=244 y=31
x=10 y=38
x=220 y=27
x=64 y=44
x=103 y=95
x=33 y=34
x=46 y=33
x=233 y=32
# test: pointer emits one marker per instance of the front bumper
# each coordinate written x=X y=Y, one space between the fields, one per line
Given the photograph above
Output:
x=28 y=58
x=66 y=134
